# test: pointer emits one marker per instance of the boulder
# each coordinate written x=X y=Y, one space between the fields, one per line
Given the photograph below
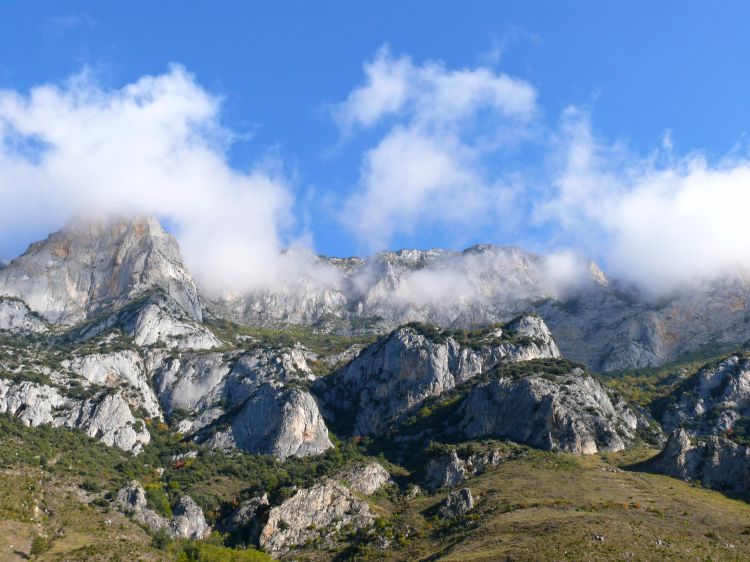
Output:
x=458 y=503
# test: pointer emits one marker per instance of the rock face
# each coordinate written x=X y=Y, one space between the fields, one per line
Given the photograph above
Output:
x=450 y=470
x=399 y=372
x=456 y=504
x=447 y=471
x=15 y=316
x=92 y=265
x=571 y=413
x=364 y=478
x=713 y=401
x=277 y=421
x=106 y=417
x=596 y=321
x=713 y=461
x=114 y=369
x=187 y=519
x=483 y=285
x=327 y=506
x=110 y=420
x=267 y=416
x=246 y=517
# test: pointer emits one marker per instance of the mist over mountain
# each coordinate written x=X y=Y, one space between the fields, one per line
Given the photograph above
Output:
x=98 y=263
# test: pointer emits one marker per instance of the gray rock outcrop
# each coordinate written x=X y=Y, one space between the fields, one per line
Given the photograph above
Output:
x=399 y=372
x=110 y=420
x=106 y=417
x=364 y=478
x=450 y=470
x=277 y=421
x=187 y=519
x=91 y=265
x=571 y=413
x=246 y=518
x=310 y=513
x=603 y=323
x=16 y=316
x=458 y=503
x=115 y=369
x=713 y=461
x=250 y=391
x=713 y=400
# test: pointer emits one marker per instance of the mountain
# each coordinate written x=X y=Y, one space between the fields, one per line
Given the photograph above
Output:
x=409 y=405
x=92 y=266
x=600 y=322
x=95 y=264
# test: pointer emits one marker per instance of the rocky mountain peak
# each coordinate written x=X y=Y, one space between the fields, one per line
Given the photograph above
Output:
x=93 y=264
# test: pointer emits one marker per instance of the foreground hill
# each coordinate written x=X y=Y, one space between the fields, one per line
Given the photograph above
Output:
x=536 y=505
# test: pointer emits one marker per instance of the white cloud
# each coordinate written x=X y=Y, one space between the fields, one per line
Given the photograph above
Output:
x=427 y=169
x=661 y=221
x=154 y=146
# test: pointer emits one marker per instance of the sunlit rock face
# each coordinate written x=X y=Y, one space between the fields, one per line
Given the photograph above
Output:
x=94 y=264
x=572 y=413
x=398 y=373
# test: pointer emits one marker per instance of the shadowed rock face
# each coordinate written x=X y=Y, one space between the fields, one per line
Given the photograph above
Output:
x=399 y=372
x=92 y=265
x=713 y=461
x=713 y=400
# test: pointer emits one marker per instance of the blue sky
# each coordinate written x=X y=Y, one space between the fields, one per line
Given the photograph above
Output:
x=643 y=77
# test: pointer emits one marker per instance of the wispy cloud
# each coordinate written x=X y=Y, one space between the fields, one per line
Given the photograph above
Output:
x=60 y=25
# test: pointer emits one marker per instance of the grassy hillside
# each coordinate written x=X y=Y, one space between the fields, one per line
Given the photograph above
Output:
x=547 y=506
x=537 y=506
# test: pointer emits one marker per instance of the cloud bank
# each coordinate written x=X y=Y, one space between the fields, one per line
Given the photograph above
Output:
x=154 y=146
x=662 y=220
